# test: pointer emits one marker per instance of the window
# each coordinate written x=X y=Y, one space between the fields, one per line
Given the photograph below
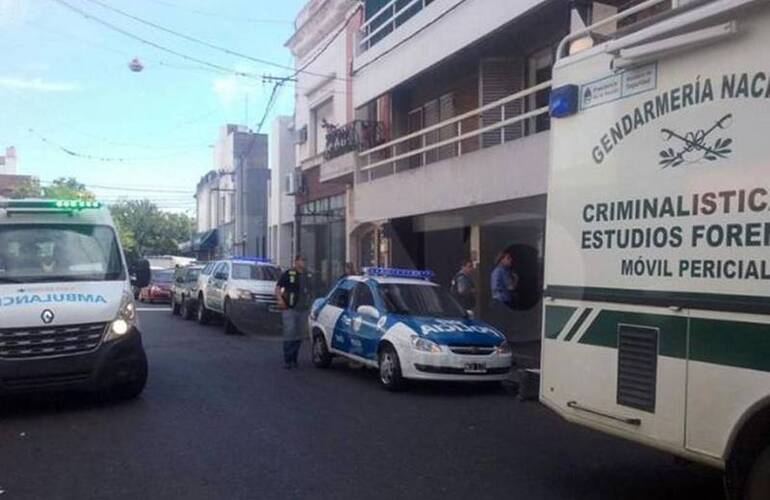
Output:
x=362 y=296
x=420 y=300
x=221 y=268
x=255 y=272
x=162 y=276
x=192 y=275
x=39 y=253
x=340 y=298
x=321 y=116
x=207 y=270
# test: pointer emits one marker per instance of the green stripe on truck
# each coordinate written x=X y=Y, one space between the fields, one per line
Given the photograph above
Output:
x=556 y=317
x=729 y=343
x=672 y=338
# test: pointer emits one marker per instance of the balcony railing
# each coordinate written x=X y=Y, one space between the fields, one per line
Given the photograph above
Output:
x=505 y=120
x=357 y=135
x=387 y=19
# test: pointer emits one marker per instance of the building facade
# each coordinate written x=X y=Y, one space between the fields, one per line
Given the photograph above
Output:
x=231 y=200
x=281 y=206
x=325 y=132
x=10 y=180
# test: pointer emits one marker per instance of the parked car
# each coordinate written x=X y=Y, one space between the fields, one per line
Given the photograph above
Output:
x=184 y=290
x=159 y=289
x=407 y=327
x=242 y=292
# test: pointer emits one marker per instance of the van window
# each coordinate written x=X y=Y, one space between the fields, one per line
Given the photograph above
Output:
x=40 y=253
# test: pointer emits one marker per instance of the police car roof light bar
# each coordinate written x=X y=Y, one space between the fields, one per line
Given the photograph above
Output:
x=392 y=272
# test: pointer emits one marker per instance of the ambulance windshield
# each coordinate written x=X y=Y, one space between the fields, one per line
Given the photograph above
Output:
x=420 y=300
x=39 y=253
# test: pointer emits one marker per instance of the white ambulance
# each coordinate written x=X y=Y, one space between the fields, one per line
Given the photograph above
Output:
x=67 y=314
x=657 y=317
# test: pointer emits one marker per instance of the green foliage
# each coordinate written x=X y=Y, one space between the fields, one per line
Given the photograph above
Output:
x=146 y=230
x=63 y=188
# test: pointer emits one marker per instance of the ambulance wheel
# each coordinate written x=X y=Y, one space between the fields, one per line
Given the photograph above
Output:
x=203 y=315
x=322 y=358
x=758 y=481
x=390 y=369
x=230 y=328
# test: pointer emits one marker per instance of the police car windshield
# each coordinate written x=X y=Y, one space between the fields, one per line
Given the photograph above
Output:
x=420 y=300
x=259 y=272
x=38 y=253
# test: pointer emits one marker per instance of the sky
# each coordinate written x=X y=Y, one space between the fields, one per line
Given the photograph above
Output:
x=65 y=84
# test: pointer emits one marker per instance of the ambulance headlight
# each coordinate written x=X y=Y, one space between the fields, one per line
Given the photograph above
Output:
x=125 y=320
x=424 y=345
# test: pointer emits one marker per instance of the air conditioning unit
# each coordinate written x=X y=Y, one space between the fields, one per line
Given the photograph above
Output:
x=294 y=183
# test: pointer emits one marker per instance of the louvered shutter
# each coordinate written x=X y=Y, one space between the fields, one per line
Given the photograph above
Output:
x=501 y=78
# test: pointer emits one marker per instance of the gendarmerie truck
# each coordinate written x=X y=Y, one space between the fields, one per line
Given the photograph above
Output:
x=67 y=314
x=657 y=317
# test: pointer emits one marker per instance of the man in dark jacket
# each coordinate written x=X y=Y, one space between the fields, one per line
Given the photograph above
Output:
x=463 y=288
x=294 y=296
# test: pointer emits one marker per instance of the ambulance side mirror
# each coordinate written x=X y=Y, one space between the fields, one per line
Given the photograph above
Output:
x=368 y=312
x=141 y=274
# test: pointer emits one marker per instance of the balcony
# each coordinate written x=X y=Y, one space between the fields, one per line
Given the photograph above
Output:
x=386 y=19
x=505 y=120
x=344 y=142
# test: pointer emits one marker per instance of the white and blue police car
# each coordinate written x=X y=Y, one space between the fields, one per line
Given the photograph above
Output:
x=398 y=321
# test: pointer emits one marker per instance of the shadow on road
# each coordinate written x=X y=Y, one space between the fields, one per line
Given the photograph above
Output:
x=36 y=404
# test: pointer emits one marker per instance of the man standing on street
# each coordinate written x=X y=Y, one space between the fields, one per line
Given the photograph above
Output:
x=463 y=287
x=293 y=295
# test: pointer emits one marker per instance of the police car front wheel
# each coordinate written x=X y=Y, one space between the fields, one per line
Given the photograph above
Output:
x=322 y=358
x=390 y=369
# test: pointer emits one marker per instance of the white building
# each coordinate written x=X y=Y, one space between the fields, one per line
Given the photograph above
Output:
x=461 y=88
x=8 y=162
x=326 y=134
x=231 y=199
x=281 y=204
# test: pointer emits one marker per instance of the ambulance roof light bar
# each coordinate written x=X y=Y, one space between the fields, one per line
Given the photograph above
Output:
x=392 y=272
x=48 y=206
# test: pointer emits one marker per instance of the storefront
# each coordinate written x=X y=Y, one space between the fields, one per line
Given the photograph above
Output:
x=440 y=241
x=321 y=239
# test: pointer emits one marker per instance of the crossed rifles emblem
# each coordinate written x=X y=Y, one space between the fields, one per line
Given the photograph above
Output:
x=694 y=146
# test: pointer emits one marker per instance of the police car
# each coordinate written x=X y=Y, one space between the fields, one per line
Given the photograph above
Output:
x=398 y=321
x=67 y=313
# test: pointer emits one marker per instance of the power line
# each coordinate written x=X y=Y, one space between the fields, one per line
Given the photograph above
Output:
x=192 y=39
x=113 y=27
x=215 y=14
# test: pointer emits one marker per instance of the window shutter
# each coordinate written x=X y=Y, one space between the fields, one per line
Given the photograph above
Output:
x=501 y=78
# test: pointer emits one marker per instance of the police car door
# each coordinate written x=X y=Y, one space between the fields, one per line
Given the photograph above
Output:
x=216 y=286
x=365 y=335
x=335 y=316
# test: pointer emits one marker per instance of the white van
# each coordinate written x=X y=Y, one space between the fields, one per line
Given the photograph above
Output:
x=67 y=314
x=657 y=318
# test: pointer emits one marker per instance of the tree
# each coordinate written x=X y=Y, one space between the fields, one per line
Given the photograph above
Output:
x=63 y=188
x=146 y=230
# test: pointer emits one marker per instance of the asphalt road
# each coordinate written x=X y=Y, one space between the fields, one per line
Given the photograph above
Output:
x=221 y=418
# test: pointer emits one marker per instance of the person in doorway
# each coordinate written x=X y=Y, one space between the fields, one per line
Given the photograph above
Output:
x=504 y=281
x=293 y=295
x=463 y=288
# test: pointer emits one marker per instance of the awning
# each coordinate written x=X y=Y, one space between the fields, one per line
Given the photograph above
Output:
x=206 y=240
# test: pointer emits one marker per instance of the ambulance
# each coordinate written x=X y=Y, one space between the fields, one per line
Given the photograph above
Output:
x=67 y=313
x=657 y=299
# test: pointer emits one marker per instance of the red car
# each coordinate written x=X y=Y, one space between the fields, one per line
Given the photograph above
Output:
x=159 y=289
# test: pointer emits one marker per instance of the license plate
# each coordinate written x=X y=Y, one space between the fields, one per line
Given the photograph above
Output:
x=475 y=368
